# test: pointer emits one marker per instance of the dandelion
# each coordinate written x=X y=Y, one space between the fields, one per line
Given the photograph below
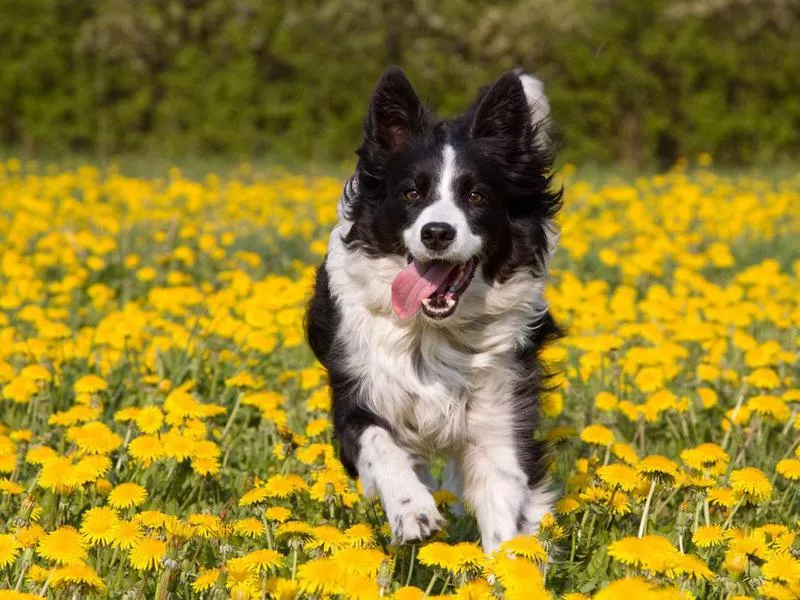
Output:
x=127 y=495
x=126 y=534
x=205 y=580
x=656 y=469
x=64 y=546
x=598 y=435
x=709 y=536
x=651 y=552
x=526 y=546
x=789 y=468
x=9 y=549
x=250 y=527
x=618 y=476
x=146 y=554
x=98 y=525
x=327 y=538
x=90 y=384
x=752 y=484
x=278 y=514
x=78 y=574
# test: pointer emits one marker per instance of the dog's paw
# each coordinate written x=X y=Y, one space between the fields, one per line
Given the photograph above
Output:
x=415 y=519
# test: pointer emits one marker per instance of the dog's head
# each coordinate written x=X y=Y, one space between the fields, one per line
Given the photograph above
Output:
x=454 y=197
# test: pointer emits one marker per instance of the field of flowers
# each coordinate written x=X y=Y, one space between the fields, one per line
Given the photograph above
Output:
x=165 y=431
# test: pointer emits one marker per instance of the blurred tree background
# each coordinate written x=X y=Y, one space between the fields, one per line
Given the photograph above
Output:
x=639 y=82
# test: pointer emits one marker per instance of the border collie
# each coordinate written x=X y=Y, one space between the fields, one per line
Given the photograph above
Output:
x=428 y=311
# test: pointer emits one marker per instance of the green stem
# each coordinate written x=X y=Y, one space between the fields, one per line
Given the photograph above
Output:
x=411 y=564
x=429 y=589
x=645 y=513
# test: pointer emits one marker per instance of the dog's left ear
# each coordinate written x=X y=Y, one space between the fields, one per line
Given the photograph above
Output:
x=514 y=113
x=395 y=113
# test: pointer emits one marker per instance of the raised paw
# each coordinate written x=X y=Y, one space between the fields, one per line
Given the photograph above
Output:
x=414 y=520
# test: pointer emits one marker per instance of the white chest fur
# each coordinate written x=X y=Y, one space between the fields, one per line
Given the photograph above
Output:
x=417 y=375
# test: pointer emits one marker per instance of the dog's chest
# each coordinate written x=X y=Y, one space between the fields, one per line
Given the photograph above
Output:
x=417 y=379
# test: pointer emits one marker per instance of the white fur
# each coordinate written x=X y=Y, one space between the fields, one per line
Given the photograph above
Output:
x=388 y=471
x=539 y=107
x=444 y=210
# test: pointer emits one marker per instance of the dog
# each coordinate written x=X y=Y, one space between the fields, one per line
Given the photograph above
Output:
x=428 y=310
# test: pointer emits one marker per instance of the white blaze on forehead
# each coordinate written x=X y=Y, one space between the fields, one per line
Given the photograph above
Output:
x=444 y=209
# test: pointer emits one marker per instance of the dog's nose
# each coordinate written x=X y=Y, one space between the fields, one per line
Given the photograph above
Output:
x=438 y=236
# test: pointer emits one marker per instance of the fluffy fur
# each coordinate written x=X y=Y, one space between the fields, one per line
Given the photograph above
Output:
x=465 y=386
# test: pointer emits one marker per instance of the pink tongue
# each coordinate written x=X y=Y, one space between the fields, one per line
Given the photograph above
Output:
x=414 y=283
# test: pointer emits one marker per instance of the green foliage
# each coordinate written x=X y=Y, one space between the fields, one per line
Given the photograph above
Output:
x=630 y=81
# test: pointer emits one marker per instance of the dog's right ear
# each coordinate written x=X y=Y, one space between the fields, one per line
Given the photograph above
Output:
x=395 y=112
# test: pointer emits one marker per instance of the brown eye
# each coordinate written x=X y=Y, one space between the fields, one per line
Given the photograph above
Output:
x=412 y=195
x=476 y=198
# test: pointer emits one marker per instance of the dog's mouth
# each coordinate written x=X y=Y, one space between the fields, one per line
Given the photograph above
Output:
x=434 y=287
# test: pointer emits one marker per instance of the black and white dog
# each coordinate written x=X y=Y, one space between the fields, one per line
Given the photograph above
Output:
x=428 y=312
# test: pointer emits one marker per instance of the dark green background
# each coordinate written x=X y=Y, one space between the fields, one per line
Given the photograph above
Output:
x=631 y=81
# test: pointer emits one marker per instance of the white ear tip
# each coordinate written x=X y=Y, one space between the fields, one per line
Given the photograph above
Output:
x=537 y=101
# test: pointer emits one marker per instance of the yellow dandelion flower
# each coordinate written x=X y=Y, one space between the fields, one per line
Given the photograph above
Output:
x=149 y=419
x=721 y=496
x=206 y=526
x=770 y=406
x=29 y=536
x=90 y=384
x=625 y=452
x=153 y=519
x=709 y=536
x=360 y=535
x=598 y=435
x=9 y=487
x=605 y=401
x=320 y=576
x=126 y=534
x=264 y=559
x=127 y=495
x=650 y=552
x=764 y=378
x=64 y=546
x=789 y=468
x=618 y=476
x=657 y=468
x=567 y=505
x=775 y=591
x=408 y=593
x=98 y=525
x=146 y=554
x=9 y=549
x=94 y=438
x=79 y=574
x=752 y=484
x=527 y=546
x=784 y=568
x=279 y=514
x=693 y=567
x=327 y=538
x=249 y=527
x=631 y=587
x=704 y=456
x=205 y=580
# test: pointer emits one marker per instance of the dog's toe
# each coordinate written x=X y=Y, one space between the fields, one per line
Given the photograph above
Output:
x=416 y=524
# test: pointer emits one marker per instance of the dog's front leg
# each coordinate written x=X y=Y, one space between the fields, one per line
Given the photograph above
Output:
x=496 y=482
x=387 y=470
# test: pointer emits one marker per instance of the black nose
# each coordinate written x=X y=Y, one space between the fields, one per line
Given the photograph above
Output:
x=438 y=236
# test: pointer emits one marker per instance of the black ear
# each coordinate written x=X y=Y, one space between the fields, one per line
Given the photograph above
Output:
x=503 y=115
x=395 y=112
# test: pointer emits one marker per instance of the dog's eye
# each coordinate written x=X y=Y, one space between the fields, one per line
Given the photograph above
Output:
x=476 y=198
x=412 y=195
